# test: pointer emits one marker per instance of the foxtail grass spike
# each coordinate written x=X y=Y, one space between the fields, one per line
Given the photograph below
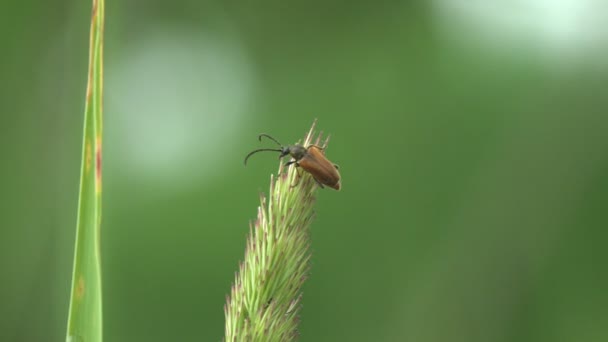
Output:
x=265 y=299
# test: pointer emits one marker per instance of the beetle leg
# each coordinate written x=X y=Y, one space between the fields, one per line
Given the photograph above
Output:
x=320 y=184
x=297 y=171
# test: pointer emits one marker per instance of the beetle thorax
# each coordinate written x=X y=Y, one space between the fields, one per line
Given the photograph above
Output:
x=297 y=152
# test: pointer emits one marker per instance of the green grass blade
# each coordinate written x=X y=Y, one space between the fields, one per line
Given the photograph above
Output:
x=85 y=313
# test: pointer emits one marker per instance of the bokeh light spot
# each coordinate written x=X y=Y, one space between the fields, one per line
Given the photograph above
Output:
x=562 y=31
x=174 y=102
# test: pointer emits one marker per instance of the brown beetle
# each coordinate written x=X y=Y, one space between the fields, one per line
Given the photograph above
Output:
x=311 y=159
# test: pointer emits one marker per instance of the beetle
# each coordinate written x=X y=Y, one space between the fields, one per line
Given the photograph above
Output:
x=311 y=158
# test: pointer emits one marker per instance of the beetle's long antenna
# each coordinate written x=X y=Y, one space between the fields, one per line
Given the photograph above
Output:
x=269 y=137
x=260 y=150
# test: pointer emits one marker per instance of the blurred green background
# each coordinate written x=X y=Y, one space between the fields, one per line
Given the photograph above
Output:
x=471 y=136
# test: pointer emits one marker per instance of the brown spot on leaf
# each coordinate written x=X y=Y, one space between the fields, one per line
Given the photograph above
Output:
x=94 y=10
x=80 y=288
x=98 y=165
